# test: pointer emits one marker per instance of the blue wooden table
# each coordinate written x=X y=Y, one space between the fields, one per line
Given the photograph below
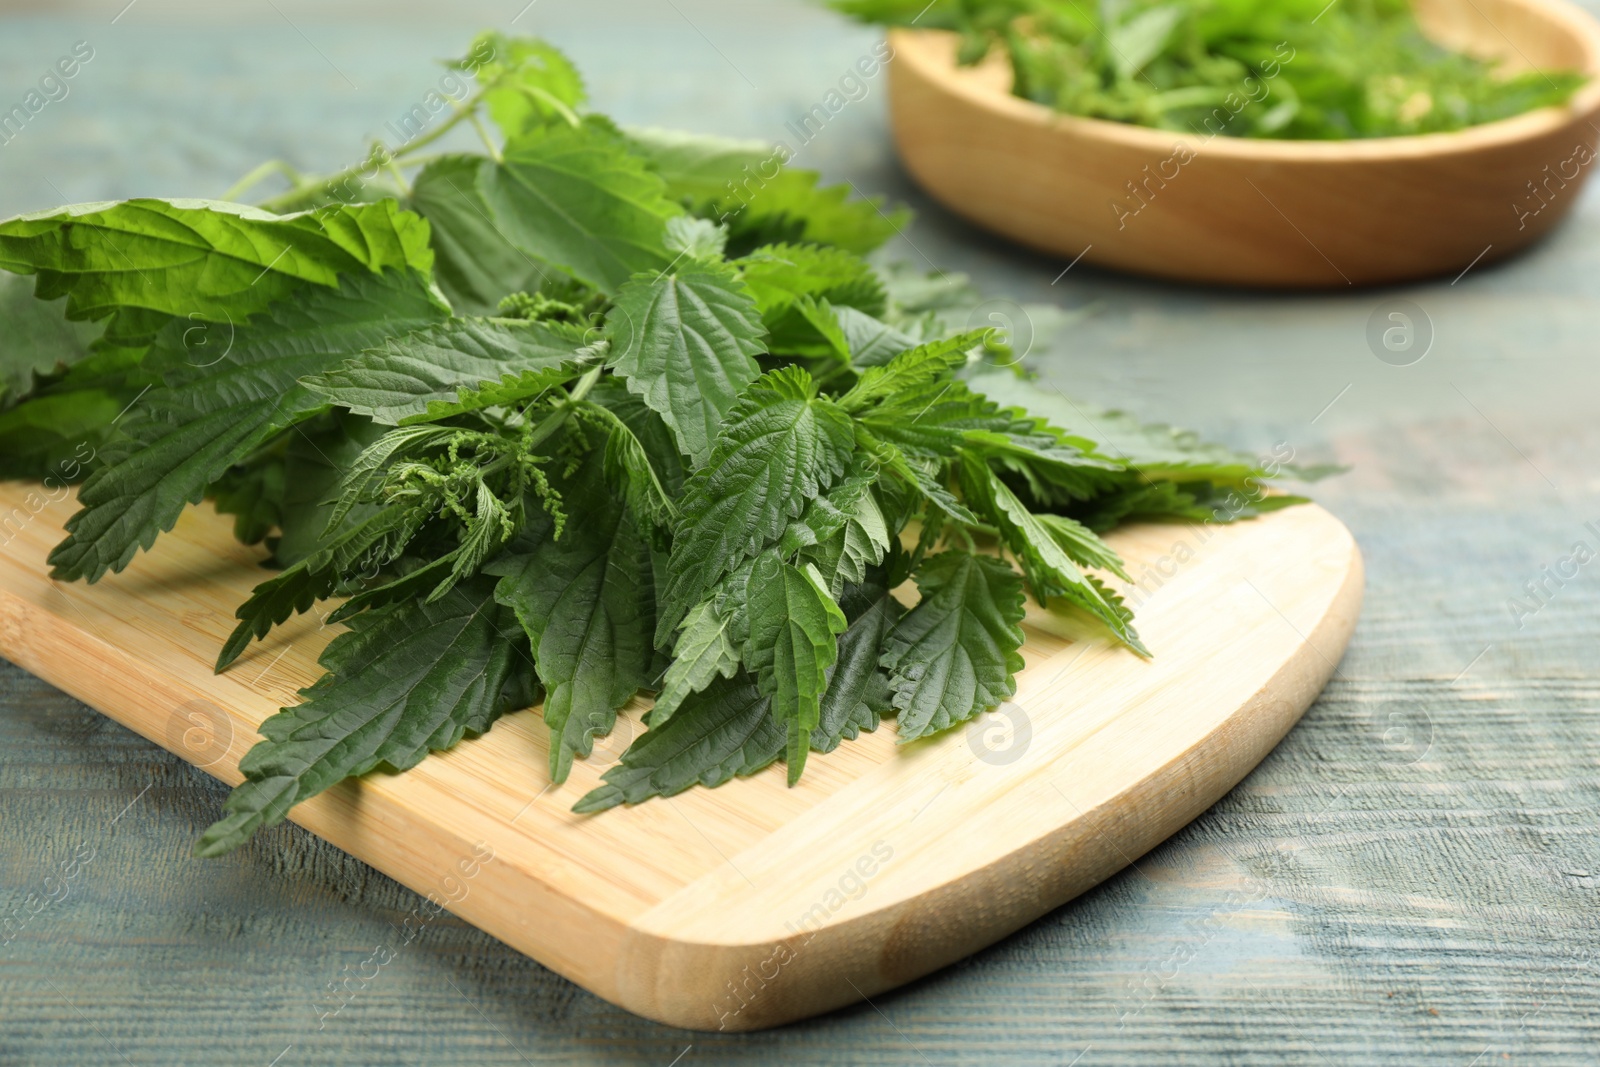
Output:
x=1413 y=877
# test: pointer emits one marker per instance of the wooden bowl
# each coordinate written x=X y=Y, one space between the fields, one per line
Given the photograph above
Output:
x=1290 y=214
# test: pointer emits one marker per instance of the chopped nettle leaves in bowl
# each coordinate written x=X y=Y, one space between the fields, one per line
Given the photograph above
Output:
x=1317 y=69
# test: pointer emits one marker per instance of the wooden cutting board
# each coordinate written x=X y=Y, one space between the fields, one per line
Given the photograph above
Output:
x=753 y=904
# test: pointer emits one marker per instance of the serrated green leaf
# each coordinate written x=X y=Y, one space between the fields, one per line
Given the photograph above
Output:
x=780 y=446
x=1051 y=572
x=364 y=542
x=577 y=199
x=39 y=340
x=476 y=265
x=917 y=369
x=1157 y=451
x=955 y=654
x=211 y=416
x=631 y=472
x=794 y=628
x=704 y=652
x=858 y=692
x=203 y=259
x=686 y=343
x=441 y=364
x=697 y=167
x=402 y=683
x=527 y=81
x=1082 y=544
x=695 y=238
x=870 y=342
x=584 y=600
x=780 y=274
x=724 y=732
x=315 y=459
x=843 y=549
x=793 y=206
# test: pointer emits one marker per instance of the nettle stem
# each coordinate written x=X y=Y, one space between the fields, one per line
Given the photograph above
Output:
x=306 y=189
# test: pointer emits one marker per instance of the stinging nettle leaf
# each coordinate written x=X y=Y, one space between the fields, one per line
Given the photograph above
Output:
x=913 y=370
x=779 y=275
x=39 y=340
x=403 y=682
x=441 y=364
x=686 y=342
x=203 y=259
x=697 y=167
x=526 y=81
x=724 y=732
x=1051 y=572
x=858 y=692
x=577 y=199
x=475 y=263
x=584 y=600
x=955 y=654
x=794 y=629
x=210 y=416
x=793 y=206
x=705 y=651
x=780 y=446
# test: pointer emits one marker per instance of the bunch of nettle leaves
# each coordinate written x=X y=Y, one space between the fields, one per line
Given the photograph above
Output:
x=590 y=413
x=1292 y=69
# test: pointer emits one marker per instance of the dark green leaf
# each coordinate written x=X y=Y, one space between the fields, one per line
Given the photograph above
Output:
x=724 y=732
x=38 y=339
x=402 y=683
x=584 y=600
x=211 y=416
x=686 y=343
x=858 y=690
x=476 y=265
x=793 y=641
x=441 y=364
x=954 y=655
x=780 y=446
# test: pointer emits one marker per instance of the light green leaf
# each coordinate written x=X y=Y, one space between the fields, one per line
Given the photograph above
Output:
x=576 y=198
x=528 y=82
x=202 y=259
x=913 y=370
x=705 y=651
x=778 y=275
x=793 y=206
x=697 y=167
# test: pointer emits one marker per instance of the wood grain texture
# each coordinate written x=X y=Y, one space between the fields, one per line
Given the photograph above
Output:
x=1240 y=211
x=1408 y=879
x=753 y=904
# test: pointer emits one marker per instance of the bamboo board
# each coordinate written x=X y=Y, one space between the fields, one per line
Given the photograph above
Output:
x=753 y=904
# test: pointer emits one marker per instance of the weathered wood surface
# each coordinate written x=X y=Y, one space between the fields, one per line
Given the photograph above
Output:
x=1410 y=878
